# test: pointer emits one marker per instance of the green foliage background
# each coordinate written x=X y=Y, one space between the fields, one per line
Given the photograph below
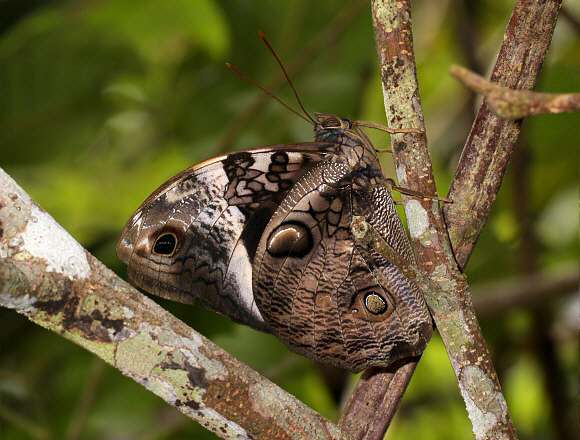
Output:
x=101 y=102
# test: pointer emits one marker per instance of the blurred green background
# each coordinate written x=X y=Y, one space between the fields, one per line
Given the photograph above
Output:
x=102 y=101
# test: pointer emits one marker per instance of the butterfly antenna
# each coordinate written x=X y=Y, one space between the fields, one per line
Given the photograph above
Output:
x=263 y=37
x=267 y=92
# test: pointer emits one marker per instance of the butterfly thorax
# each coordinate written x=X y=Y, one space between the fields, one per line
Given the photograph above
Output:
x=354 y=149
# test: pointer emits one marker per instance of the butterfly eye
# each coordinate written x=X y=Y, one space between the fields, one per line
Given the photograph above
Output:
x=290 y=239
x=165 y=244
x=375 y=303
x=348 y=123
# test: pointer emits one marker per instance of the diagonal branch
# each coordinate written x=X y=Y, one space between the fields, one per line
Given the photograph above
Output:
x=473 y=189
x=525 y=44
x=379 y=391
x=488 y=149
x=50 y=278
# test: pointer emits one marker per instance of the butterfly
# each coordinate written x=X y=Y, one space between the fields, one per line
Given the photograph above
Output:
x=263 y=236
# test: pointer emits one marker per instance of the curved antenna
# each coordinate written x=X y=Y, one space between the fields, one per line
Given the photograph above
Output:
x=267 y=92
x=263 y=37
x=307 y=118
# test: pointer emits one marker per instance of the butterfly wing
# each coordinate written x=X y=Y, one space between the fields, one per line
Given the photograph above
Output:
x=317 y=292
x=195 y=236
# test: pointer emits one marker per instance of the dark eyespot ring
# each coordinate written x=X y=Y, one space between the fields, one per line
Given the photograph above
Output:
x=375 y=303
x=165 y=244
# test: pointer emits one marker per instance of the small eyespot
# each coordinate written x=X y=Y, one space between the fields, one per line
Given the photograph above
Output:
x=370 y=305
x=375 y=303
x=165 y=244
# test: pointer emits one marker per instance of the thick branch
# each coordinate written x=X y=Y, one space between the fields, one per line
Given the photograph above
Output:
x=488 y=149
x=50 y=278
x=379 y=391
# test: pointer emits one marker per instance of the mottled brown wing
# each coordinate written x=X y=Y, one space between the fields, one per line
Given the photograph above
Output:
x=195 y=236
x=315 y=290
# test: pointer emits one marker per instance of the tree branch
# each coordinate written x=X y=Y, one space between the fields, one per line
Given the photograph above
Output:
x=488 y=149
x=473 y=189
x=374 y=401
x=529 y=32
x=449 y=299
x=50 y=278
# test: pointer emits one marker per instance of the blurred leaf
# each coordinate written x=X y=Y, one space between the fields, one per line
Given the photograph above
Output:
x=164 y=32
x=525 y=397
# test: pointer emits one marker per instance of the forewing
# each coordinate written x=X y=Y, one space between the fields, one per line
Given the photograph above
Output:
x=195 y=236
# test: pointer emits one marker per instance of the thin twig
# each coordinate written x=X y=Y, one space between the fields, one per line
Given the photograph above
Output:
x=507 y=103
x=81 y=411
x=556 y=384
x=530 y=291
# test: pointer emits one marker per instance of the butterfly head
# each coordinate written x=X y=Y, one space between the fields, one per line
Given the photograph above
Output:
x=326 y=121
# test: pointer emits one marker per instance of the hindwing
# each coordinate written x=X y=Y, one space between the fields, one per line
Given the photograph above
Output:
x=314 y=288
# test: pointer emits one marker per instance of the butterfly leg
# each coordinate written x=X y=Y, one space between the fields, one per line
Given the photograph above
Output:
x=387 y=129
x=413 y=193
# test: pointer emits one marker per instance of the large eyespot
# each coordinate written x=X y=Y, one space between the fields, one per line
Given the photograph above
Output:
x=290 y=239
x=372 y=305
x=165 y=244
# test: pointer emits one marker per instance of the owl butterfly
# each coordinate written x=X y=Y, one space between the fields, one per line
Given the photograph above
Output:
x=263 y=236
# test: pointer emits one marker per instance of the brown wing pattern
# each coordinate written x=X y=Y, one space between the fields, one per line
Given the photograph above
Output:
x=195 y=237
x=317 y=293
